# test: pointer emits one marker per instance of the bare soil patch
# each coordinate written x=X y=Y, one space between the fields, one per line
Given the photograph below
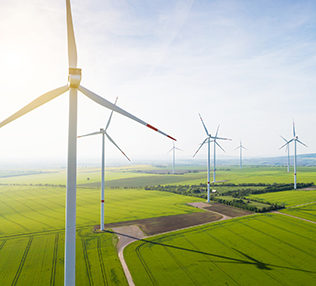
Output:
x=227 y=210
x=169 y=223
x=312 y=188
x=151 y=226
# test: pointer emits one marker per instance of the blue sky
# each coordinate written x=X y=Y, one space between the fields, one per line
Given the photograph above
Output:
x=247 y=65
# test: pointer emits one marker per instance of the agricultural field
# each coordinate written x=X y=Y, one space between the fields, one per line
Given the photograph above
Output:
x=288 y=198
x=27 y=209
x=32 y=210
x=39 y=259
x=259 y=174
x=262 y=249
x=307 y=211
x=258 y=205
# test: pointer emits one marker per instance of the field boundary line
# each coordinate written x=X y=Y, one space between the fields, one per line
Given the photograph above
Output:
x=105 y=281
x=301 y=205
x=304 y=219
x=54 y=262
x=86 y=260
x=2 y=244
x=26 y=251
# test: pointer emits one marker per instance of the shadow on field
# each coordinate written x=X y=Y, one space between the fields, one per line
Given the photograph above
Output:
x=252 y=261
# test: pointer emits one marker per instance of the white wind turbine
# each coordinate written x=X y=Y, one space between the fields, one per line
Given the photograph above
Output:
x=104 y=133
x=174 y=148
x=208 y=140
x=240 y=147
x=294 y=139
x=73 y=86
x=287 y=149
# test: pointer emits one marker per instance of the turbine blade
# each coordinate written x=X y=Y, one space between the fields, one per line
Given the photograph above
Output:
x=98 y=99
x=219 y=146
x=244 y=147
x=301 y=142
x=283 y=138
x=293 y=129
x=107 y=135
x=203 y=124
x=36 y=103
x=288 y=142
x=200 y=146
x=72 y=50
x=221 y=138
x=217 y=131
x=237 y=147
x=179 y=149
x=170 y=150
x=107 y=125
x=89 y=134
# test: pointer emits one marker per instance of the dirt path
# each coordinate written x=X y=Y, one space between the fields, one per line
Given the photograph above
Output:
x=304 y=219
x=301 y=205
x=204 y=206
x=132 y=233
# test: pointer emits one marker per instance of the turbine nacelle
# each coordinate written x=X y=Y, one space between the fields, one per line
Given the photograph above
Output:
x=74 y=77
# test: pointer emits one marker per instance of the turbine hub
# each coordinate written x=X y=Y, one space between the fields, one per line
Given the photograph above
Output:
x=101 y=129
x=74 y=77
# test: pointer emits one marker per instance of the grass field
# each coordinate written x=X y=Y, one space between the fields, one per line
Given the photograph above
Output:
x=267 y=249
x=32 y=228
x=32 y=210
x=39 y=259
x=307 y=212
x=28 y=209
x=137 y=177
x=289 y=198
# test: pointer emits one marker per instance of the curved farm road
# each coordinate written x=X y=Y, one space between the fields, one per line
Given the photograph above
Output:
x=130 y=233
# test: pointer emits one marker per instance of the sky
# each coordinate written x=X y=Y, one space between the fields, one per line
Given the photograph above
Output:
x=249 y=66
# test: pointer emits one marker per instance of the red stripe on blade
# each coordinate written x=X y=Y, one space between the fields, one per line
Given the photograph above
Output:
x=152 y=127
x=102 y=201
x=171 y=138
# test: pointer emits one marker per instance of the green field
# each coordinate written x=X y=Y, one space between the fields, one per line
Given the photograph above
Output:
x=251 y=203
x=32 y=211
x=138 y=176
x=307 y=211
x=289 y=198
x=39 y=259
x=28 y=209
x=32 y=227
x=267 y=249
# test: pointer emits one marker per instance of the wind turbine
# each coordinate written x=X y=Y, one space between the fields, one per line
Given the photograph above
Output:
x=294 y=139
x=174 y=148
x=287 y=149
x=240 y=147
x=208 y=140
x=104 y=133
x=73 y=86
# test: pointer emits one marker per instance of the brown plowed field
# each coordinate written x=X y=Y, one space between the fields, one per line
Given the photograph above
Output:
x=227 y=210
x=151 y=226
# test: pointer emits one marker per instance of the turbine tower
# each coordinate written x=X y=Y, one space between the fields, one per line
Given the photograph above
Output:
x=73 y=85
x=104 y=133
x=295 y=140
x=174 y=148
x=240 y=147
x=210 y=139
x=287 y=149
